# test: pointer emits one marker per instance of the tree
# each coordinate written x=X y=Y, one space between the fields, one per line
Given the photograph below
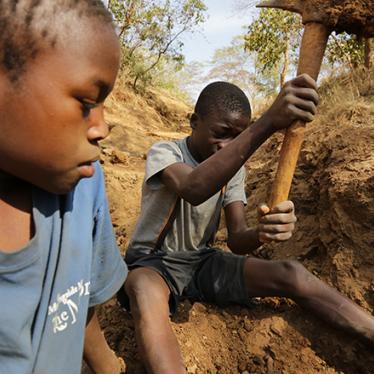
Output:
x=233 y=64
x=274 y=37
x=345 y=49
x=150 y=32
x=368 y=52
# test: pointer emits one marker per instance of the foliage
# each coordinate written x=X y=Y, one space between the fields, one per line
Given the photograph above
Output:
x=233 y=64
x=150 y=31
x=346 y=49
x=274 y=37
x=191 y=78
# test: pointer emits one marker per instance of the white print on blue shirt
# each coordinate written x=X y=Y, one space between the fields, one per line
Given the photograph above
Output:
x=71 y=264
x=63 y=318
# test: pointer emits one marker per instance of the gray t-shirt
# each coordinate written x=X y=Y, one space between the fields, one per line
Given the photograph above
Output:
x=193 y=226
x=46 y=288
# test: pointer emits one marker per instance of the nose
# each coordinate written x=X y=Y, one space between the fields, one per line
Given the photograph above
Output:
x=98 y=129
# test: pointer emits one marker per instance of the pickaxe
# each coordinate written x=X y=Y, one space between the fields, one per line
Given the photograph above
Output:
x=320 y=19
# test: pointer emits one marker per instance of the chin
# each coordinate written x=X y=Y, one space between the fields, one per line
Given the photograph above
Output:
x=61 y=187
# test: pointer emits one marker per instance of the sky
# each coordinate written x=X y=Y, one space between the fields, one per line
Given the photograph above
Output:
x=224 y=22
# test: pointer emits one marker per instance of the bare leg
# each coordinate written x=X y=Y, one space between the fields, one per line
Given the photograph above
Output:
x=97 y=354
x=149 y=301
x=290 y=279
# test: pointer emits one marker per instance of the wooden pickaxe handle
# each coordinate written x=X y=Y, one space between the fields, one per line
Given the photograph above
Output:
x=311 y=54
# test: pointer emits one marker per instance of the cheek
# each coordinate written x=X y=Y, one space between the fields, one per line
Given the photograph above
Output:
x=45 y=136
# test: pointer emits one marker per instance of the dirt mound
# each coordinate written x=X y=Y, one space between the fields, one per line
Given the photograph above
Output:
x=333 y=191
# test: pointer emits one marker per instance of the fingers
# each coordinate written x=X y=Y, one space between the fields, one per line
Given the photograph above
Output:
x=300 y=114
x=262 y=209
x=278 y=223
x=276 y=228
x=284 y=207
x=301 y=102
x=305 y=94
x=267 y=237
x=305 y=80
x=308 y=102
x=301 y=98
x=297 y=100
x=280 y=218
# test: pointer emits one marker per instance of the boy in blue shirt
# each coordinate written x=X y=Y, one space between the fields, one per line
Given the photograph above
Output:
x=187 y=183
x=58 y=255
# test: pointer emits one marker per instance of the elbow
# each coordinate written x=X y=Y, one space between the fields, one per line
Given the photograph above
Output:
x=232 y=246
x=193 y=195
x=194 y=200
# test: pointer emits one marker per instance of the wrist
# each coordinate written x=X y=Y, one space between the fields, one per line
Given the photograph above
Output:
x=266 y=125
x=256 y=234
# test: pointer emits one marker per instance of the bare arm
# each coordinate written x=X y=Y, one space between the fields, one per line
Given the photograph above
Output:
x=241 y=239
x=97 y=353
x=297 y=100
x=196 y=185
x=275 y=225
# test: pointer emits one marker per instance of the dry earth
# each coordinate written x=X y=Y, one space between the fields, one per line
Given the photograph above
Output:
x=333 y=190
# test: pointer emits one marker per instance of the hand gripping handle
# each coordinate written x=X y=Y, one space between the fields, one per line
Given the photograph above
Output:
x=311 y=54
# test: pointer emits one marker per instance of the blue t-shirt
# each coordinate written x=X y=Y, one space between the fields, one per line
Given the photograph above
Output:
x=71 y=264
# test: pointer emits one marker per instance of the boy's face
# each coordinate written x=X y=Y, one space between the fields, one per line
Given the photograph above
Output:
x=214 y=131
x=52 y=121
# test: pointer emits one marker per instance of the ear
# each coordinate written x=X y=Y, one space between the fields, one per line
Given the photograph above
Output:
x=194 y=120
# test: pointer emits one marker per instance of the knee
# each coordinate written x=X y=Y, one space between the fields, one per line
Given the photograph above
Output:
x=294 y=277
x=148 y=293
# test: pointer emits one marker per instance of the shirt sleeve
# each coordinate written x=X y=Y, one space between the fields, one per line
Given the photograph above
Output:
x=109 y=270
x=160 y=156
x=235 y=189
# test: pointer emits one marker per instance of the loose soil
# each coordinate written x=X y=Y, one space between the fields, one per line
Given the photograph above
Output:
x=351 y=16
x=333 y=191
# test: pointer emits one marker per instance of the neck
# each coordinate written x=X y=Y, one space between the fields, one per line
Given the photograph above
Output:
x=192 y=149
x=7 y=180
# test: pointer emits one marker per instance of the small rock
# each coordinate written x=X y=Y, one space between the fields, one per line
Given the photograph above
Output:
x=276 y=330
x=248 y=325
x=118 y=157
x=269 y=364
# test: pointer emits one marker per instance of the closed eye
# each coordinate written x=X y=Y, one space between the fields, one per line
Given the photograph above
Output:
x=222 y=135
x=86 y=107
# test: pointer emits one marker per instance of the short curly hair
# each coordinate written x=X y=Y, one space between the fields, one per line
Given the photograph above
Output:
x=222 y=96
x=26 y=24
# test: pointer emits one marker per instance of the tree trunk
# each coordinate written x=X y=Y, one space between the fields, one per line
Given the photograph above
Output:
x=283 y=73
x=367 y=52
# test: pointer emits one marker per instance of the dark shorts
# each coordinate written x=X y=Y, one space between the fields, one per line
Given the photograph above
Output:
x=208 y=275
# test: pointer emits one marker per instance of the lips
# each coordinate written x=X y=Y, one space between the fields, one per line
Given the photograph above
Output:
x=87 y=168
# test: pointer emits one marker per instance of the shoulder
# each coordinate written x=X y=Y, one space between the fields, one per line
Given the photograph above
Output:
x=161 y=155
x=90 y=192
x=164 y=147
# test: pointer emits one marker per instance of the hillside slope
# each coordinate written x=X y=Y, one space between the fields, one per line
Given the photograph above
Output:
x=333 y=191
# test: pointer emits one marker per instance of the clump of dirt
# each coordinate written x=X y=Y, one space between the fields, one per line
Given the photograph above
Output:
x=333 y=191
x=351 y=16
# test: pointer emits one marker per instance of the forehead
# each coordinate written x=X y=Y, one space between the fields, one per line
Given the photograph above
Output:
x=234 y=120
x=91 y=42
x=90 y=49
x=85 y=36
